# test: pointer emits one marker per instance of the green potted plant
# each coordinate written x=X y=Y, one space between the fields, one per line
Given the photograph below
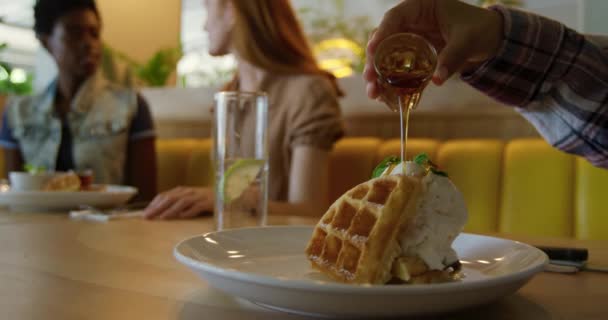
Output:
x=13 y=81
x=153 y=73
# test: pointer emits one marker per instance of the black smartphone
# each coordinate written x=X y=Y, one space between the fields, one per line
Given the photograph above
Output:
x=565 y=254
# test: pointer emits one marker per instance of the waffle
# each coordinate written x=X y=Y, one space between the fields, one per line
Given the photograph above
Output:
x=356 y=240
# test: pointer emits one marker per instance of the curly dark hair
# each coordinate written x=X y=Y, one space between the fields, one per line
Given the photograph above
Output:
x=47 y=12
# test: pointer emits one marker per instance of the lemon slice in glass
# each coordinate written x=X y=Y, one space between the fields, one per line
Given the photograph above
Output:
x=239 y=176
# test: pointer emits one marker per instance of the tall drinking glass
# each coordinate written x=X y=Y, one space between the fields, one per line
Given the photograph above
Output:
x=241 y=159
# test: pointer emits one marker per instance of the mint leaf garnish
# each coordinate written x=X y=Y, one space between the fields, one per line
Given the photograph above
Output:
x=422 y=159
x=387 y=162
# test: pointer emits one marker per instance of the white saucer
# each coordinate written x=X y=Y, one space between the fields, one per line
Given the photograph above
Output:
x=34 y=201
x=268 y=267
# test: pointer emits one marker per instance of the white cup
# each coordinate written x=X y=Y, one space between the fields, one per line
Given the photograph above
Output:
x=25 y=181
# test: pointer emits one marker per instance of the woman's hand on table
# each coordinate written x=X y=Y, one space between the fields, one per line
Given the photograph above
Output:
x=464 y=36
x=180 y=203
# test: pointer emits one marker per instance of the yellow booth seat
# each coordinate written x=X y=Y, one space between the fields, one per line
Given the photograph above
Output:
x=183 y=162
x=475 y=167
x=538 y=190
x=522 y=187
x=590 y=209
x=352 y=162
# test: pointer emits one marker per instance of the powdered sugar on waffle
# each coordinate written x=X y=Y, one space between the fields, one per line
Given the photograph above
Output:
x=440 y=216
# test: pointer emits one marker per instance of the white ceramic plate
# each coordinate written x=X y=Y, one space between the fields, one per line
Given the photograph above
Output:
x=33 y=201
x=268 y=267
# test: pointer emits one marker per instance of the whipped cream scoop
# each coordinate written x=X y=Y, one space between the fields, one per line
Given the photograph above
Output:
x=440 y=217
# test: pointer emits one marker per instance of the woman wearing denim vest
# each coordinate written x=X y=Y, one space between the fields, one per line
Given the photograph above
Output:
x=80 y=121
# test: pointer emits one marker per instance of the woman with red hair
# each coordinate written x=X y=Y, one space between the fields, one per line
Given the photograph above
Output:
x=273 y=56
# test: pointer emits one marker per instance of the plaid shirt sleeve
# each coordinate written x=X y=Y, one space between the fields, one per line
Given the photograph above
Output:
x=557 y=79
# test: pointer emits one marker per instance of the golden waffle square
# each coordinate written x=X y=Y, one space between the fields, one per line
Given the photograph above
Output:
x=356 y=239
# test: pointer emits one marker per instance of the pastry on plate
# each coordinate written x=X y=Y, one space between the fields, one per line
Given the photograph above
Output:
x=396 y=227
x=63 y=182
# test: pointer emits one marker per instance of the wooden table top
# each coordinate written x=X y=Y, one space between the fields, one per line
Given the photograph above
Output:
x=55 y=268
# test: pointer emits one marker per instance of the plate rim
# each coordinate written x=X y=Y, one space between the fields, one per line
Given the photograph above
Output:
x=120 y=189
x=336 y=287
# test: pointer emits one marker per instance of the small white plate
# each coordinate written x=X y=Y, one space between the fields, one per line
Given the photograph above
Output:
x=33 y=201
x=268 y=267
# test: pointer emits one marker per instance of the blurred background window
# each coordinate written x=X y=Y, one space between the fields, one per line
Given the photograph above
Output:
x=337 y=29
x=197 y=68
